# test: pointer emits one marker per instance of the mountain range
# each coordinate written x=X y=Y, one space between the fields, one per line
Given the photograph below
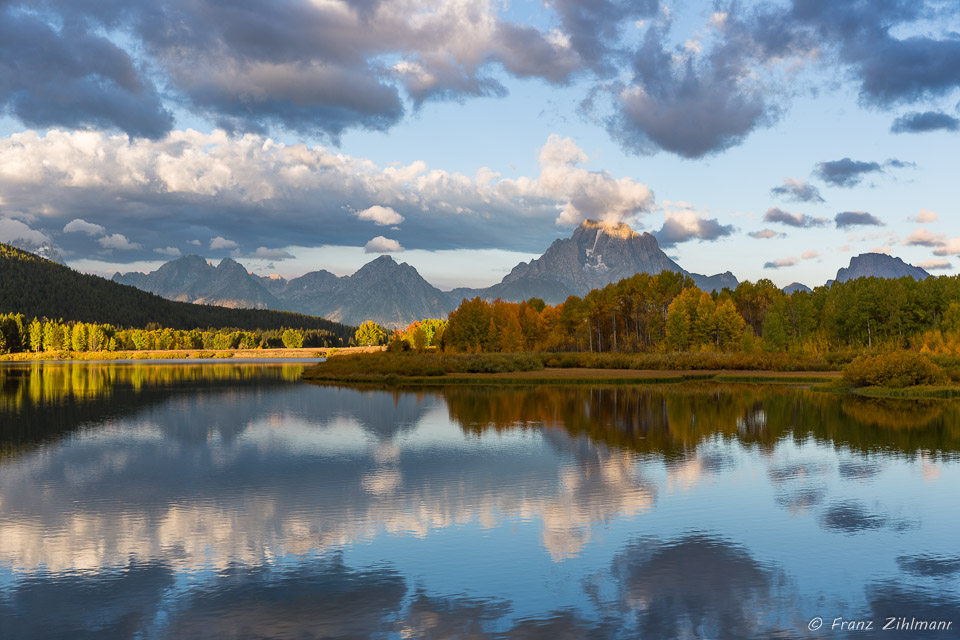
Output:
x=395 y=294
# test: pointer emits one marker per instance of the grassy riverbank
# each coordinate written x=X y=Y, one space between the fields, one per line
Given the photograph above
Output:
x=409 y=368
x=184 y=354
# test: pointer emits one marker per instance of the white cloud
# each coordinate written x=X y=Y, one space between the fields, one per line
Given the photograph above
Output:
x=195 y=243
x=585 y=194
x=220 y=242
x=382 y=245
x=12 y=230
x=925 y=216
x=381 y=216
x=169 y=251
x=809 y=255
x=780 y=262
x=766 y=234
x=935 y=264
x=78 y=225
x=117 y=241
x=925 y=238
x=208 y=180
x=949 y=248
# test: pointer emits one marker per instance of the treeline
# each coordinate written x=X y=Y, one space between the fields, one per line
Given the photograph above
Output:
x=667 y=312
x=40 y=288
x=17 y=334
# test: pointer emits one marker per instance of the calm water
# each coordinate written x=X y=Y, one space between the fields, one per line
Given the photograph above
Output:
x=226 y=500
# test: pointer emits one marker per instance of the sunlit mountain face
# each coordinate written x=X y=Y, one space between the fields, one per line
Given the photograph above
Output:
x=184 y=500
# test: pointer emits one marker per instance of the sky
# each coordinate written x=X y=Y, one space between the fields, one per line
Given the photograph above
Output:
x=771 y=139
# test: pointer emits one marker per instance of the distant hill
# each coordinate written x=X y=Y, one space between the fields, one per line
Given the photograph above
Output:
x=879 y=265
x=35 y=286
x=796 y=286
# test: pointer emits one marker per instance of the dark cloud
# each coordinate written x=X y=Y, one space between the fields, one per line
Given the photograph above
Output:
x=687 y=104
x=593 y=26
x=797 y=191
x=846 y=219
x=528 y=53
x=916 y=122
x=845 y=172
x=684 y=227
x=69 y=77
x=800 y=220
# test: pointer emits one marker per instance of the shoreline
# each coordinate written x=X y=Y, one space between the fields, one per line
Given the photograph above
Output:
x=572 y=375
x=181 y=354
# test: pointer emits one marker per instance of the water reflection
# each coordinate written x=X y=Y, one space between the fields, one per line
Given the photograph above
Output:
x=168 y=501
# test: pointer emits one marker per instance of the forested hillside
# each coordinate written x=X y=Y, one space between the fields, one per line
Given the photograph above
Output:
x=666 y=312
x=36 y=287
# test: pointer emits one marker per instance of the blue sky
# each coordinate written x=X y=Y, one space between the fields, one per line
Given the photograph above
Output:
x=464 y=137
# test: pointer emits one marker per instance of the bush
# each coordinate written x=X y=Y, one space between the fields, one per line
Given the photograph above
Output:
x=895 y=369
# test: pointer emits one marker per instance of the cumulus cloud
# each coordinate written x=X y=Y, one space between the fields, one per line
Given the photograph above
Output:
x=767 y=234
x=845 y=172
x=587 y=194
x=674 y=87
x=800 y=220
x=259 y=192
x=809 y=255
x=779 y=263
x=168 y=251
x=219 y=242
x=934 y=264
x=925 y=238
x=79 y=225
x=381 y=244
x=309 y=67
x=13 y=230
x=797 y=190
x=917 y=122
x=925 y=216
x=949 y=248
x=683 y=225
x=117 y=241
x=73 y=77
x=381 y=216
x=847 y=219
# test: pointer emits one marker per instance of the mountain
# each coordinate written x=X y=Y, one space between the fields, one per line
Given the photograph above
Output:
x=46 y=250
x=306 y=293
x=395 y=295
x=193 y=279
x=796 y=286
x=38 y=287
x=879 y=265
x=596 y=255
x=391 y=294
